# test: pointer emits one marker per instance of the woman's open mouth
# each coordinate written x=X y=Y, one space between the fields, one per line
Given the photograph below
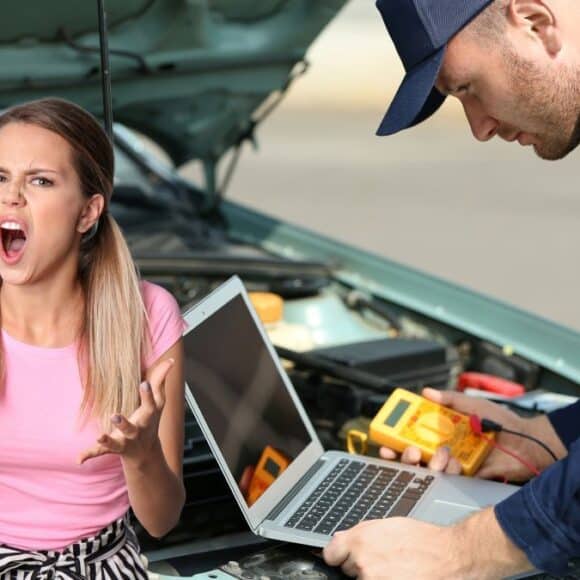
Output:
x=13 y=241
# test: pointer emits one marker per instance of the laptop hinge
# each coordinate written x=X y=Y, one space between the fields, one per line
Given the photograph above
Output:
x=279 y=508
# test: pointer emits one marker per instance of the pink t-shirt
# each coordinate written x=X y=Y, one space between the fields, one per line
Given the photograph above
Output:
x=47 y=500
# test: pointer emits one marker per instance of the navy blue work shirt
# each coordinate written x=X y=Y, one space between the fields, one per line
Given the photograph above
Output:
x=543 y=517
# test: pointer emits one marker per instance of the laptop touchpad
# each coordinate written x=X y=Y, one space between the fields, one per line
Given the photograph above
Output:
x=443 y=512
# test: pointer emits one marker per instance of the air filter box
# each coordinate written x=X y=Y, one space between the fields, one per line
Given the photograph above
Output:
x=406 y=362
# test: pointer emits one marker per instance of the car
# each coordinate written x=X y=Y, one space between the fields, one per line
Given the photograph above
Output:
x=191 y=80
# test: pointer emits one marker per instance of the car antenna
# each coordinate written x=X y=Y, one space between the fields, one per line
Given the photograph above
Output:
x=105 y=70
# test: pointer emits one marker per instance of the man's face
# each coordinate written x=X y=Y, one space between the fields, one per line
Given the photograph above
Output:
x=511 y=88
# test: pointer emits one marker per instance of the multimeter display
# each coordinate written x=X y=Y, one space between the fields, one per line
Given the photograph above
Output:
x=409 y=419
x=272 y=467
x=394 y=417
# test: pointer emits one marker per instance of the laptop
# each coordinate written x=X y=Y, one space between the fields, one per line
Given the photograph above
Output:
x=287 y=486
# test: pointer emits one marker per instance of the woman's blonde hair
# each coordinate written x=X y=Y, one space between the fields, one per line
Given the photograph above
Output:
x=114 y=338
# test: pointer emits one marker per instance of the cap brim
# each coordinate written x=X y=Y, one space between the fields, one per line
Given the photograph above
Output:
x=416 y=98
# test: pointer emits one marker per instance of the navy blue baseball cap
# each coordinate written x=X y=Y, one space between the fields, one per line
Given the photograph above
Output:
x=420 y=30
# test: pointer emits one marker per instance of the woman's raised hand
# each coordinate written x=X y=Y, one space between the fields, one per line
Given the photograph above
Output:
x=136 y=437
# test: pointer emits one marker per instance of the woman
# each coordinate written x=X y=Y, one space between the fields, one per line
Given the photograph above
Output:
x=91 y=380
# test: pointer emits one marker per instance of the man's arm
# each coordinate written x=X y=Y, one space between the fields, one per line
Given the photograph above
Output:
x=489 y=551
x=543 y=518
x=539 y=524
x=566 y=424
x=401 y=548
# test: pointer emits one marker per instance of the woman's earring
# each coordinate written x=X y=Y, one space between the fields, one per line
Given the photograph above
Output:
x=90 y=233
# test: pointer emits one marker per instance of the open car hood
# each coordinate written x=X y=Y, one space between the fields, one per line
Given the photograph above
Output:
x=190 y=74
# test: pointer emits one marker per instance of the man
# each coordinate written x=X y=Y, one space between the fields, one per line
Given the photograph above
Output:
x=515 y=67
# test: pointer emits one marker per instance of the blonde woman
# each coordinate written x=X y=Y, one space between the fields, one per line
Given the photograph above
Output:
x=91 y=390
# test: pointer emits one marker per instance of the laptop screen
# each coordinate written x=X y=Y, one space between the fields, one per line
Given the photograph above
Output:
x=243 y=399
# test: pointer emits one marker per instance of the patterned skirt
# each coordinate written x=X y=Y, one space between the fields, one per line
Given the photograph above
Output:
x=111 y=554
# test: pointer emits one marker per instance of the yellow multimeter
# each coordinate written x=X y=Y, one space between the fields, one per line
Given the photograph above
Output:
x=409 y=419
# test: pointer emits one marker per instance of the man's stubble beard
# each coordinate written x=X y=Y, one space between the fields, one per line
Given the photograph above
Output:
x=549 y=100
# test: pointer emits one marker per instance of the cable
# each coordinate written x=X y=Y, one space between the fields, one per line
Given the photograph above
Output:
x=477 y=427
x=356 y=299
x=298 y=70
x=489 y=425
x=143 y=67
x=527 y=464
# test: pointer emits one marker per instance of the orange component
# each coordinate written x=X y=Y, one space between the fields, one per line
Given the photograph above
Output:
x=271 y=464
x=269 y=306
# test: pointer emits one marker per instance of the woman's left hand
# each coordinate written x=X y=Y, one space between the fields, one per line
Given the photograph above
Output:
x=135 y=439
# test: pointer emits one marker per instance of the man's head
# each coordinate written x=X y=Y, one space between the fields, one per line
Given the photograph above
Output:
x=513 y=64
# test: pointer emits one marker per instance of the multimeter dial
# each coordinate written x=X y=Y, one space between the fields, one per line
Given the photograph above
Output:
x=434 y=428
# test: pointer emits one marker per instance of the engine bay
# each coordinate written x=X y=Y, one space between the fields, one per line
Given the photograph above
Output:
x=344 y=345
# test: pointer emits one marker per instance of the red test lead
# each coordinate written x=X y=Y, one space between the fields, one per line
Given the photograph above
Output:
x=476 y=426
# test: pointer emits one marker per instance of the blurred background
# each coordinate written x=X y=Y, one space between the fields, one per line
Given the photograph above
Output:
x=490 y=216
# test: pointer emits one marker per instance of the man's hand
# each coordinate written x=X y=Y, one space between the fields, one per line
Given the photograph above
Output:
x=136 y=439
x=497 y=464
x=400 y=548
x=405 y=549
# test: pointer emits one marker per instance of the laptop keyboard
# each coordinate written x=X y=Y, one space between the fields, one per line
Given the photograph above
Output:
x=355 y=491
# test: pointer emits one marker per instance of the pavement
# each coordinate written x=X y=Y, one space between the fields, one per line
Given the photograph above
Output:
x=489 y=216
